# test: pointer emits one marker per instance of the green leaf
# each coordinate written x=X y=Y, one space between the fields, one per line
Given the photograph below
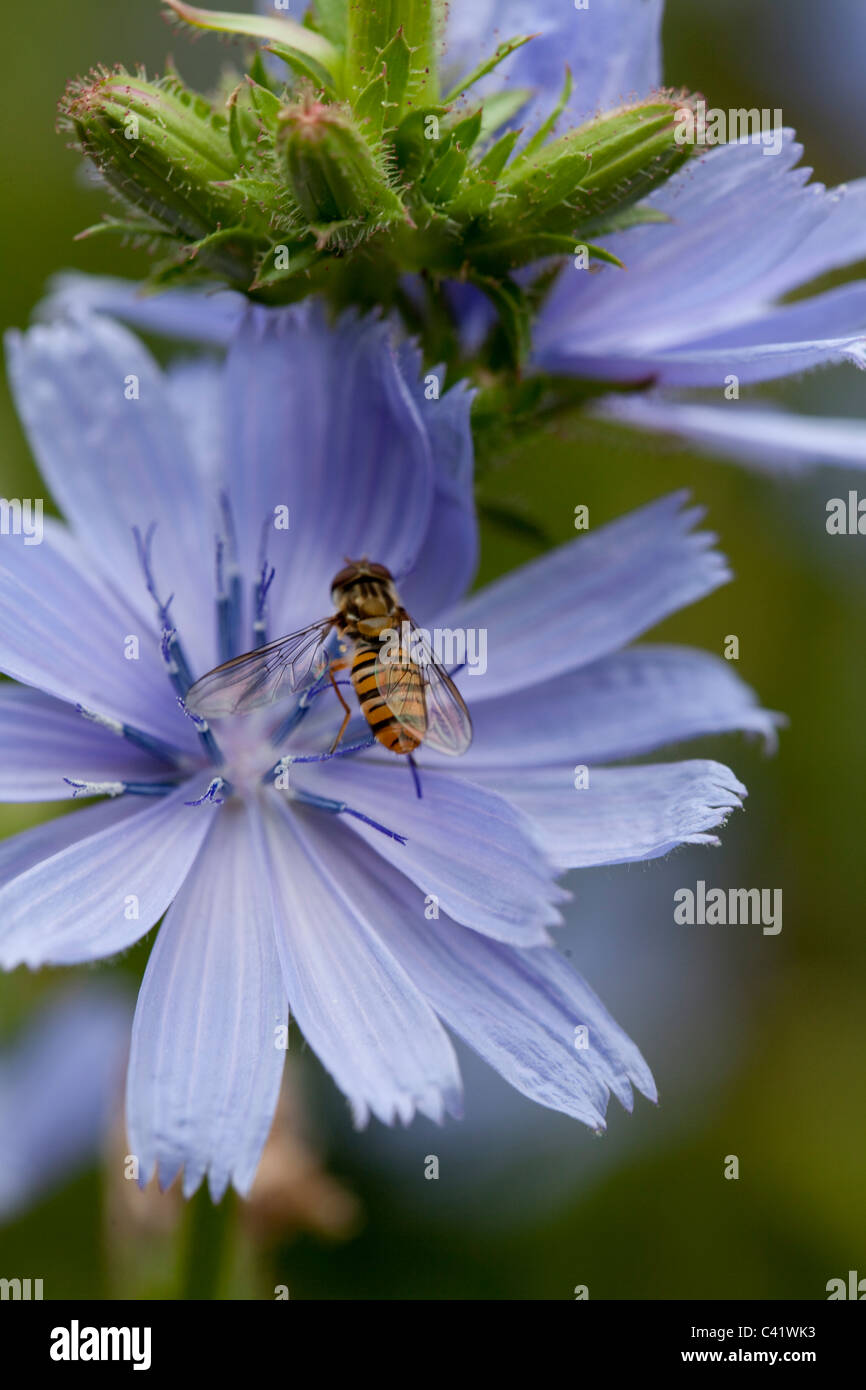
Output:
x=273 y=28
x=382 y=100
x=513 y=310
x=220 y=238
x=304 y=66
x=498 y=257
x=123 y=227
x=504 y=51
x=443 y=179
x=639 y=216
x=228 y=253
x=331 y=19
x=466 y=132
x=236 y=138
x=373 y=24
x=498 y=155
x=543 y=131
x=369 y=106
x=441 y=182
x=480 y=182
x=500 y=108
x=259 y=73
x=268 y=106
x=300 y=260
x=265 y=191
x=411 y=146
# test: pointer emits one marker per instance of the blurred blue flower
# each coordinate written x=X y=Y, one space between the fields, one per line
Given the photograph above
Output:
x=60 y=1083
x=701 y=301
x=318 y=897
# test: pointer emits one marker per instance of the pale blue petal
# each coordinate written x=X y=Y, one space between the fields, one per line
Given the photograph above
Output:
x=63 y=630
x=612 y=46
x=29 y=847
x=357 y=1008
x=614 y=583
x=210 y=315
x=102 y=893
x=626 y=813
x=764 y=437
x=326 y=426
x=59 y=1084
x=518 y=1009
x=42 y=741
x=700 y=271
x=114 y=464
x=815 y=332
x=624 y=705
x=207 y=1055
x=473 y=311
x=197 y=389
x=448 y=556
x=707 y=365
x=703 y=273
x=466 y=845
x=819 y=332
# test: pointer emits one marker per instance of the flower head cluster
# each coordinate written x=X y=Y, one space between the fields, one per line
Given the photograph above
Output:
x=374 y=154
x=207 y=508
x=565 y=254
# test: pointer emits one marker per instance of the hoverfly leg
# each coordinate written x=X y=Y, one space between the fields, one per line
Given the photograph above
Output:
x=339 y=666
x=416 y=776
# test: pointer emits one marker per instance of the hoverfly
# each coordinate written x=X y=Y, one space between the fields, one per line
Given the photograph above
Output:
x=406 y=701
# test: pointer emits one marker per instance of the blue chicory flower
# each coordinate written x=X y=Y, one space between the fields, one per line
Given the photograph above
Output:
x=701 y=300
x=59 y=1084
x=375 y=916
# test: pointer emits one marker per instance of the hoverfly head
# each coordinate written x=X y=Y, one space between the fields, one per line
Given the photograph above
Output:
x=354 y=572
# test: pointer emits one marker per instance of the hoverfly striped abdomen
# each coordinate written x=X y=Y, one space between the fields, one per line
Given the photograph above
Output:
x=384 y=723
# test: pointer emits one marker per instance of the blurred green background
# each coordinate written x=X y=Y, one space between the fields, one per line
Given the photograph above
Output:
x=757 y=1042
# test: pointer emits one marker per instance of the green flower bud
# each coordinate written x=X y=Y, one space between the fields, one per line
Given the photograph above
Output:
x=335 y=176
x=580 y=180
x=161 y=147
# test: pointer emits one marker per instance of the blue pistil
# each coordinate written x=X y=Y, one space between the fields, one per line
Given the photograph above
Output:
x=342 y=752
x=416 y=776
x=149 y=743
x=228 y=586
x=219 y=784
x=260 y=621
x=120 y=788
x=294 y=717
x=203 y=729
x=172 y=652
x=339 y=808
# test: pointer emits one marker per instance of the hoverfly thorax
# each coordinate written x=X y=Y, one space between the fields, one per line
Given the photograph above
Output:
x=363 y=593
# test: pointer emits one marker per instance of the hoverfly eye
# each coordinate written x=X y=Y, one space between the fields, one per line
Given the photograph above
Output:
x=345 y=577
x=379 y=571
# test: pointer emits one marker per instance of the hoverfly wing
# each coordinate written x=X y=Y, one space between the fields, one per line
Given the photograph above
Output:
x=449 y=726
x=423 y=697
x=257 y=678
x=401 y=686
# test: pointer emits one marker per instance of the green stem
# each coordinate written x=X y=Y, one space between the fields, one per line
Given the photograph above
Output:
x=209 y=1230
